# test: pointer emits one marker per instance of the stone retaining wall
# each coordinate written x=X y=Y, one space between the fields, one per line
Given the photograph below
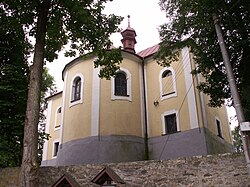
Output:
x=228 y=170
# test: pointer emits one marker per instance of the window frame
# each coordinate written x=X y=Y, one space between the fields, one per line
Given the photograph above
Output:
x=54 y=154
x=119 y=84
x=170 y=94
x=57 y=127
x=76 y=89
x=219 y=127
x=128 y=96
x=73 y=102
x=168 y=113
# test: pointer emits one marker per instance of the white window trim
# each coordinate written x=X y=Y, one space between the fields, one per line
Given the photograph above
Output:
x=174 y=83
x=129 y=85
x=71 y=87
x=166 y=113
x=57 y=128
x=53 y=148
x=217 y=119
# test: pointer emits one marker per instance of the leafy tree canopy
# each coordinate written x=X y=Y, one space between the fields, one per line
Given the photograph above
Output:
x=53 y=23
x=14 y=73
x=79 y=22
x=13 y=90
x=237 y=141
x=191 y=24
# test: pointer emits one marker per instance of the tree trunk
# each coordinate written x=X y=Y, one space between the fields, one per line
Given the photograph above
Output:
x=29 y=169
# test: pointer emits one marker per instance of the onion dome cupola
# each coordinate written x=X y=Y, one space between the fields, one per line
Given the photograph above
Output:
x=128 y=38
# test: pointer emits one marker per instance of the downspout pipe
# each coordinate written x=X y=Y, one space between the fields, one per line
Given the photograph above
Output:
x=146 y=149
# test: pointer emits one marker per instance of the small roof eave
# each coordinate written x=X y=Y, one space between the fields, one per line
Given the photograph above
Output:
x=53 y=95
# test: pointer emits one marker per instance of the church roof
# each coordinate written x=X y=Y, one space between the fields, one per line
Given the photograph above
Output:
x=149 y=51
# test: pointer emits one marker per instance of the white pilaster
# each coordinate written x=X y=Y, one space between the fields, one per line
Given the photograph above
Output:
x=63 y=107
x=95 y=102
x=189 y=88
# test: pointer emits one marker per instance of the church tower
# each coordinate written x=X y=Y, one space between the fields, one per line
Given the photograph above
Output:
x=128 y=38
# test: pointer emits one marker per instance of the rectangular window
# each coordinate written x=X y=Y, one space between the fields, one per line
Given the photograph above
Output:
x=120 y=84
x=170 y=124
x=219 y=128
x=56 y=147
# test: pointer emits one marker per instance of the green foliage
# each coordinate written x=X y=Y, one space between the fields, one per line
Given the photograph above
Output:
x=79 y=22
x=191 y=24
x=53 y=24
x=13 y=107
x=106 y=61
x=13 y=90
x=14 y=72
x=13 y=94
x=237 y=142
x=89 y=31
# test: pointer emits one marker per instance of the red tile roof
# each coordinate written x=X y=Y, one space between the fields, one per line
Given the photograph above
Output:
x=149 y=51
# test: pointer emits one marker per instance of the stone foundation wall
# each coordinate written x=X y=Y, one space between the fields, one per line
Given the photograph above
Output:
x=216 y=145
x=114 y=148
x=227 y=170
x=182 y=144
x=101 y=150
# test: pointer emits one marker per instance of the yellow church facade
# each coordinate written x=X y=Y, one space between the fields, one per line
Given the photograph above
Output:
x=145 y=112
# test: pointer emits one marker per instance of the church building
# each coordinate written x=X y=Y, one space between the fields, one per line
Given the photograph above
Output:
x=144 y=112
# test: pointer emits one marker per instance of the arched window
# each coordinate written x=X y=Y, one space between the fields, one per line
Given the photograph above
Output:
x=58 y=117
x=76 y=89
x=121 y=84
x=166 y=73
x=167 y=83
x=59 y=111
